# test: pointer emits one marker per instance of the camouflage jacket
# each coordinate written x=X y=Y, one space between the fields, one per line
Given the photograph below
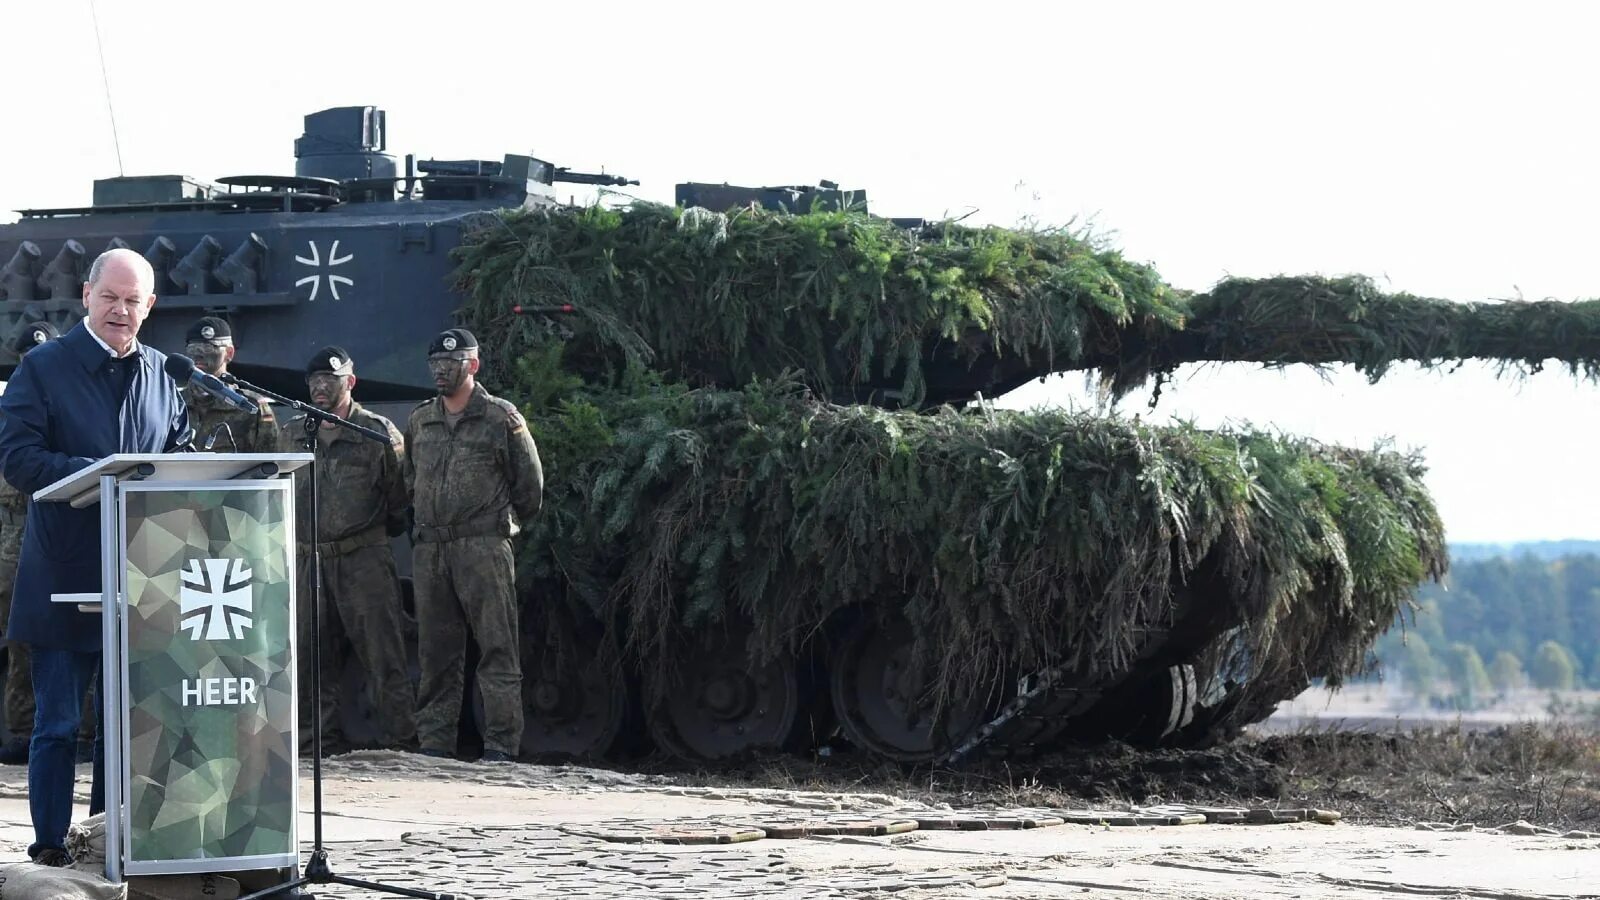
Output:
x=251 y=433
x=484 y=470
x=360 y=484
x=13 y=505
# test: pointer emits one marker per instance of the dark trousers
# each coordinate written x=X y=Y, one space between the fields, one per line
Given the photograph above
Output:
x=60 y=678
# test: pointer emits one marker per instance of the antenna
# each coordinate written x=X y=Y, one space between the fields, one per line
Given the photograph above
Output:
x=105 y=80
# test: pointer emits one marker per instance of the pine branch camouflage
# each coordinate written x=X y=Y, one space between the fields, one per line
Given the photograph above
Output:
x=702 y=472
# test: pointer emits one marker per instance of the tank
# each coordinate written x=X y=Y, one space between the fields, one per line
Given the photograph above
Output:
x=352 y=239
x=695 y=583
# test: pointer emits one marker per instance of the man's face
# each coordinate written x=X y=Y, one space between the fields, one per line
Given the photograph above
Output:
x=450 y=370
x=329 y=391
x=118 y=303
x=210 y=358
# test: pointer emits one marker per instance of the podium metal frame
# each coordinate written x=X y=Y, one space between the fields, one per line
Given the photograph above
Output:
x=110 y=473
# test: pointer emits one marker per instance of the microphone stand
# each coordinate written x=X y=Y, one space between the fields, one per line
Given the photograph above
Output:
x=317 y=870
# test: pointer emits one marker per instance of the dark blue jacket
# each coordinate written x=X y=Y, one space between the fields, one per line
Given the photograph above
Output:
x=63 y=410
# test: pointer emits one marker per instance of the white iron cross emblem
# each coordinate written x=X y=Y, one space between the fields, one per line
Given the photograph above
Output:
x=216 y=599
x=315 y=278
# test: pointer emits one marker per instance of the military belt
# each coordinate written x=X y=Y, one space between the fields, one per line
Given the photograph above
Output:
x=438 y=534
x=372 y=537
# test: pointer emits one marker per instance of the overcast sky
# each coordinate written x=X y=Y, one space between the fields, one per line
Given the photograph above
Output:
x=1449 y=149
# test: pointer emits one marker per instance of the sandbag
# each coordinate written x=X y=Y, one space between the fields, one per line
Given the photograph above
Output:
x=182 y=887
x=31 y=881
x=86 y=844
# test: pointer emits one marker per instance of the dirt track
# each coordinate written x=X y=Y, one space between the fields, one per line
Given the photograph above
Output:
x=525 y=831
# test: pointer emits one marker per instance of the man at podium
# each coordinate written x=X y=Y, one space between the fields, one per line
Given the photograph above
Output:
x=93 y=392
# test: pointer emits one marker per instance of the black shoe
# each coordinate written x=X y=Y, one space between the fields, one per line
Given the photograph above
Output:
x=436 y=754
x=496 y=756
x=14 y=752
x=53 y=857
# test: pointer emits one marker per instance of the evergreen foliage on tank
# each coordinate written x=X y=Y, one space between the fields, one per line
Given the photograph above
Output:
x=706 y=491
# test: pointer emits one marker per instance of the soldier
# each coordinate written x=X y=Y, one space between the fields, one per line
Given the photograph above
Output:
x=210 y=343
x=362 y=499
x=13 y=513
x=474 y=474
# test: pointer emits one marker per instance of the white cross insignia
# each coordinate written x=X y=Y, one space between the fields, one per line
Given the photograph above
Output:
x=315 y=279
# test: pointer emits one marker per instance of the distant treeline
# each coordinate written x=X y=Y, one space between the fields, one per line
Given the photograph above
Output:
x=1542 y=549
x=1526 y=615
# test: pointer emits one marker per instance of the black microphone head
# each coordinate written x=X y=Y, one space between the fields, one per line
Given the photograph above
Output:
x=178 y=367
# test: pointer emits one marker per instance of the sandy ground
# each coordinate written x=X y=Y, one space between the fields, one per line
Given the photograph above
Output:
x=1386 y=705
x=512 y=830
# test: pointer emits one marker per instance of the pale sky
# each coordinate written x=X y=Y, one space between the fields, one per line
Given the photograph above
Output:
x=1449 y=149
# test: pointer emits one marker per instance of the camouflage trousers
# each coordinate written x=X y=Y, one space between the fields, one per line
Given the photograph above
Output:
x=19 y=674
x=361 y=611
x=461 y=585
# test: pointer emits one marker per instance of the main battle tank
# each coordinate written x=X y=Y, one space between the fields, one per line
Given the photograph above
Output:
x=768 y=525
x=353 y=245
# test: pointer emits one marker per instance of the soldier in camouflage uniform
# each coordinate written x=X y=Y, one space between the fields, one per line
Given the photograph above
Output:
x=362 y=499
x=13 y=513
x=474 y=474
x=227 y=430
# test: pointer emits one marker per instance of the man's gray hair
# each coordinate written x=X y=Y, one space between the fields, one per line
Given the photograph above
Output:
x=96 y=267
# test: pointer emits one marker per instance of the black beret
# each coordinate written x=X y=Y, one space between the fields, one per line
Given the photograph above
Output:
x=331 y=359
x=33 y=335
x=209 y=330
x=453 y=340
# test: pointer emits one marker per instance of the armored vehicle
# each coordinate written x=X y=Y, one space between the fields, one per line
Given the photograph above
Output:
x=353 y=248
x=352 y=244
x=1151 y=627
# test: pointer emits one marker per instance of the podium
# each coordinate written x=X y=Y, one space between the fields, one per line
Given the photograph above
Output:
x=197 y=610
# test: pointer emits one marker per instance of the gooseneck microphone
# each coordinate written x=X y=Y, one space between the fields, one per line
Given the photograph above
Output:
x=183 y=370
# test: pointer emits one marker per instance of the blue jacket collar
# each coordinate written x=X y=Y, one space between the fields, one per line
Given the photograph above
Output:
x=88 y=351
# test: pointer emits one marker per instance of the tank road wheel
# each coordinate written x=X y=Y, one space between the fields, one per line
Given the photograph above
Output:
x=574 y=693
x=720 y=707
x=881 y=706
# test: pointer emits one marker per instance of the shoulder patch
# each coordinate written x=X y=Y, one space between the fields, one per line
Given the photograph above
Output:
x=513 y=415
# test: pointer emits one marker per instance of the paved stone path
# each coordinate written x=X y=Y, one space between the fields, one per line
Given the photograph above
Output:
x=523 y=831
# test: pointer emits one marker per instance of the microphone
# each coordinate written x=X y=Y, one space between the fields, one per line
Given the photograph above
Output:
x=182 y=369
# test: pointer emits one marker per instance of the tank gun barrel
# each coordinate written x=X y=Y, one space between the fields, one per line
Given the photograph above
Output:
x=567 y=175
